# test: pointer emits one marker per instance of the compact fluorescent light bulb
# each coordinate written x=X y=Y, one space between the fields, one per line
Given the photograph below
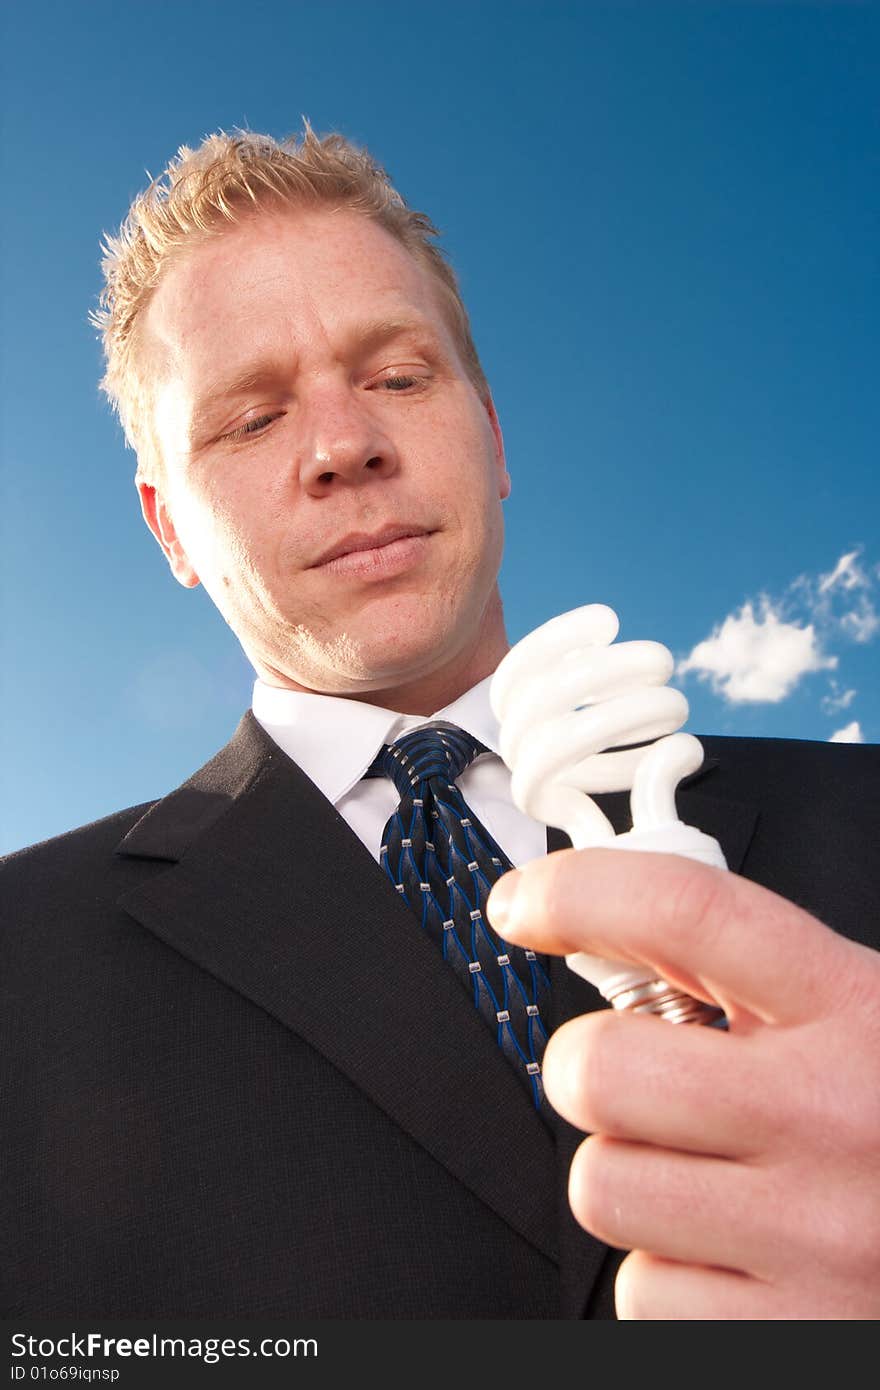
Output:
x=570 y=705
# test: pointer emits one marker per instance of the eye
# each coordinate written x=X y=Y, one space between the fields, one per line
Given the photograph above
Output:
x=400 y=383
x=255 y=426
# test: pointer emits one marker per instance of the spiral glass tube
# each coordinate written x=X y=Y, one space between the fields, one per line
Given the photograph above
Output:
x=580 y=716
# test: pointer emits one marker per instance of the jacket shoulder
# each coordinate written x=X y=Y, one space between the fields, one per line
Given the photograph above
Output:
x=74 y=845
x=816 y=835
x=780 y=767
x=69 y=877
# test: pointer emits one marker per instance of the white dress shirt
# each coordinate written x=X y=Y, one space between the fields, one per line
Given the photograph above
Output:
x=335 y=740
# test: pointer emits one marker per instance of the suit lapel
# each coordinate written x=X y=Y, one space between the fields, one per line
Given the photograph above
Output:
x=251 y=847
x=270 y=891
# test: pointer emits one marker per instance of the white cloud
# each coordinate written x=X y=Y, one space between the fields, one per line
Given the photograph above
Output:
x=850 y=733
x=834 y=702
x=862 y=622
x=847 y=574
x=756 y=660
x=760 y=653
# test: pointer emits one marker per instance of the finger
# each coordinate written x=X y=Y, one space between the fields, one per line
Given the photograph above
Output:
x=697 y=1089
x=649 y=1287
x=653 y=1289
x=703 y=929
x=708 y=1211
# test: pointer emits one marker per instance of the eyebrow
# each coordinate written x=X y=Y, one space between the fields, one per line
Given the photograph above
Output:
x=268 y=371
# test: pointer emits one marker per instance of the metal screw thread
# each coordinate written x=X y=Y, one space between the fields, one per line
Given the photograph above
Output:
x=658 y=997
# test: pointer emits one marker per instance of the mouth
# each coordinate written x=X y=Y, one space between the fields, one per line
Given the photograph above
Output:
x=359 y=549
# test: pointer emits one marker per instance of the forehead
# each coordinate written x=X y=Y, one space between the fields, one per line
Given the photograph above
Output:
x=300 y=279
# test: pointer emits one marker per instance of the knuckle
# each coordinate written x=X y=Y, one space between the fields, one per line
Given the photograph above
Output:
x=858 y=992
x=696 y=899
x=851 y=1131
x=845 y=1241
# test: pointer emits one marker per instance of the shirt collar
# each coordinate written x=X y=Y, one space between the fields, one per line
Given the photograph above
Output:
x=334 y=740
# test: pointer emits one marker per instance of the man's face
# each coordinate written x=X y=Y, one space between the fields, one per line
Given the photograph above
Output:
x=295 y=422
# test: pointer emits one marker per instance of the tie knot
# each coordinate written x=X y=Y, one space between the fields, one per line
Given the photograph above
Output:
x=436 y=750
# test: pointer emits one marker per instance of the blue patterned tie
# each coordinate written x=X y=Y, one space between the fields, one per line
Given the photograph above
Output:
x=443 y=861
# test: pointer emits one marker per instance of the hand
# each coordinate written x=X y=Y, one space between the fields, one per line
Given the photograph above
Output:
x=740 y=1168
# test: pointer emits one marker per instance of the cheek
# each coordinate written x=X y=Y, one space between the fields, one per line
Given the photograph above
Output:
x=220 y=522
x=223 y=541
x=478 y=503
x=468 y=475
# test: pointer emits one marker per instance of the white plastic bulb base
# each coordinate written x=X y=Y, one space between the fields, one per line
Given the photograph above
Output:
x=637 y=988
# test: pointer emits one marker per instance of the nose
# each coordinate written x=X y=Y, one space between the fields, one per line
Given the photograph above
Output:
x=344 y=444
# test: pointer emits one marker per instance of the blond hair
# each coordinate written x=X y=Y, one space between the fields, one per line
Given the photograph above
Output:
x=200 y=194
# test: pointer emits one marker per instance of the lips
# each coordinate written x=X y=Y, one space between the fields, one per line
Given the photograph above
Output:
x=361 y=540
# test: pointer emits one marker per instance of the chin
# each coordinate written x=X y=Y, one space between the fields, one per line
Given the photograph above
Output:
x=376 y=665
x=401 y=640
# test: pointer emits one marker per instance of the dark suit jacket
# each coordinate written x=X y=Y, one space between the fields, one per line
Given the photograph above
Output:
x=239 y=1082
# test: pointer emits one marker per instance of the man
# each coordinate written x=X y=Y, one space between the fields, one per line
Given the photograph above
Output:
x=243 y=1079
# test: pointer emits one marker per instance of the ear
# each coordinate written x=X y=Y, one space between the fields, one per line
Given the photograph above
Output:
x=503 y=475
x=158 y=518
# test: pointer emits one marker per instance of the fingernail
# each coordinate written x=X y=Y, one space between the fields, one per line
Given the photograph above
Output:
x=501 y=901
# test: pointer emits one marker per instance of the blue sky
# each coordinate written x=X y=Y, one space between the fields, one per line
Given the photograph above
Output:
x=665 y=222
